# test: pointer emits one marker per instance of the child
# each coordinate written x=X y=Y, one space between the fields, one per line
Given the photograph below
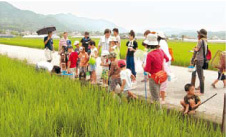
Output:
x=114 y=47
x=43 y=65
x=105 y=67
x=76 y=44
x=85 y=41
x=126 y=77
x=84 y=59
x=73 y=56
x=132 y=47
x=114 y=73
x=191 y=101
x=221 y=68
x=92 y=61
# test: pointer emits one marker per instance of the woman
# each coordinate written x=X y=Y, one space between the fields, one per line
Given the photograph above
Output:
x=198 y=59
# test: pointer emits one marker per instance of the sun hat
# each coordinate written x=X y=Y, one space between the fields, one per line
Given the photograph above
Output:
x=151 y=39
x=112 y=55
x=76 y=42
x=121 y=63
x=104 y=53
x=202 y=32
x=161 y=34
x=113 y=39
x=81 y=48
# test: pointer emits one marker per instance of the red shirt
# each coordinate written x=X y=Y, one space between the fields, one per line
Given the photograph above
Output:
x=154 y=62
x=73 y=59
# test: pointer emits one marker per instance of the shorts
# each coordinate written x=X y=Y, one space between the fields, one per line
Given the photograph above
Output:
x=221 y=76
x=83 y=69
x=77 y=63
x=73 y=72
x=104 y=74
x=163 y=86
x=114 y=82
x=48 y=54
x=92 y=67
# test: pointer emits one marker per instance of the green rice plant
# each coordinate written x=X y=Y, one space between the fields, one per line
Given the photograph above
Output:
x=38 y=104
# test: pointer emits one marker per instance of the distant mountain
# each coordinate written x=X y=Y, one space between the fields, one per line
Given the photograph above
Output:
x=23 y=20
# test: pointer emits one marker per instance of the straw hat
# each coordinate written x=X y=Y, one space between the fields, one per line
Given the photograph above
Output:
x=152 y=39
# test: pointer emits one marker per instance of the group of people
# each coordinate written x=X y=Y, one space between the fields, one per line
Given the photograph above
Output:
x=81 y=61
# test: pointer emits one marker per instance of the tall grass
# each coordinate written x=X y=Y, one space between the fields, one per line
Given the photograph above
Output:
x=180 y=49
x=36 y=104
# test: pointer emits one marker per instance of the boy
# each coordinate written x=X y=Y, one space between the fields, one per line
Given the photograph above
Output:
x=76 y=44
x=191 y=101
x=132 y=47
x=126 y=77
x=116 y=34
x=92 y=61
x=114 y=47
x=114 y=73
x=105 y=67
x=85 y=41
x=48 y=42
x=73 y=56
x=84 y=59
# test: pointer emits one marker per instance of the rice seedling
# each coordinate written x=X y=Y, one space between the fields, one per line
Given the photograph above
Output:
x=37 y=104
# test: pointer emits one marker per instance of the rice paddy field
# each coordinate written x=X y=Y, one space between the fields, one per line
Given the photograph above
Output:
x=34 y=103
x=180 y=49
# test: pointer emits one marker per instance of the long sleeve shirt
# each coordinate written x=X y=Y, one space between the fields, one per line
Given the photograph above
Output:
x=154 y=61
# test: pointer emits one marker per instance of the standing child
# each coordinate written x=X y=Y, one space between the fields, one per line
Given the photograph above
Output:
x=116 y=34
x=221 y=67
x=105 y=67
x=92 y=61
x=84 y=59
x=126 y=79
x=76 y=44
x=114 y=47
x=73 y=56
x=191 y=101
x=114 y=73
x=85 y=41
x=132 y=47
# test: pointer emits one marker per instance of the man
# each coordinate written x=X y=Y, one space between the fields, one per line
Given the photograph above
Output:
x=85 y=41
x=104 y=41
x=63 y=42
x=48 y=41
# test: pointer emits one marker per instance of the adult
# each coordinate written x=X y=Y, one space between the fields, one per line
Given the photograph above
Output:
x=132 y=47
x=43 y=65
x=48 y=42
x=85 y=41
x=104 y=42
x=198 y=59
x=154 y=64
x=164 y=46
x=64 y=43
x=116 y=34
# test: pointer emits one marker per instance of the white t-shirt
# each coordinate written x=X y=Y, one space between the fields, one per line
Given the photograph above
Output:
x=119 y=40
x=164 y=46
x=93 y=51
x=104 y=43
x=126 y=75
x=44 y=65
x=106 y=61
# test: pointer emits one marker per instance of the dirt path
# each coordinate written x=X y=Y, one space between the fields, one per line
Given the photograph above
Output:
x=175 y=91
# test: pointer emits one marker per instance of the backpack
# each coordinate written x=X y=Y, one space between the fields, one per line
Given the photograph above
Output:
x=159 y=77
x=206 y=60
x=208 y=55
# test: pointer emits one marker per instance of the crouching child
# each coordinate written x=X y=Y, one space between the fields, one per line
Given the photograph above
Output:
x=191 y=101
x=126 y=78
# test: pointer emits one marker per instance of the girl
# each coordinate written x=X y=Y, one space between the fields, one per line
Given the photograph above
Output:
x=92 y=61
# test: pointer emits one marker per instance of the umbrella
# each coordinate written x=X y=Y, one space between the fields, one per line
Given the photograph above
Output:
x=45 y=30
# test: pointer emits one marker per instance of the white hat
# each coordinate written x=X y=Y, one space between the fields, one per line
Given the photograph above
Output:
x=152 y=39
x=161 y=34
x=81 y=48
x=105 y=52
x=76 y=42
x=113 y=39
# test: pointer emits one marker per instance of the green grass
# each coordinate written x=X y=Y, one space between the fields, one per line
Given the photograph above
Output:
x=36 y=104
x=180 y=49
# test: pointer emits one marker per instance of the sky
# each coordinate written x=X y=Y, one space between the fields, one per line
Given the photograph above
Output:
x=140 y=15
